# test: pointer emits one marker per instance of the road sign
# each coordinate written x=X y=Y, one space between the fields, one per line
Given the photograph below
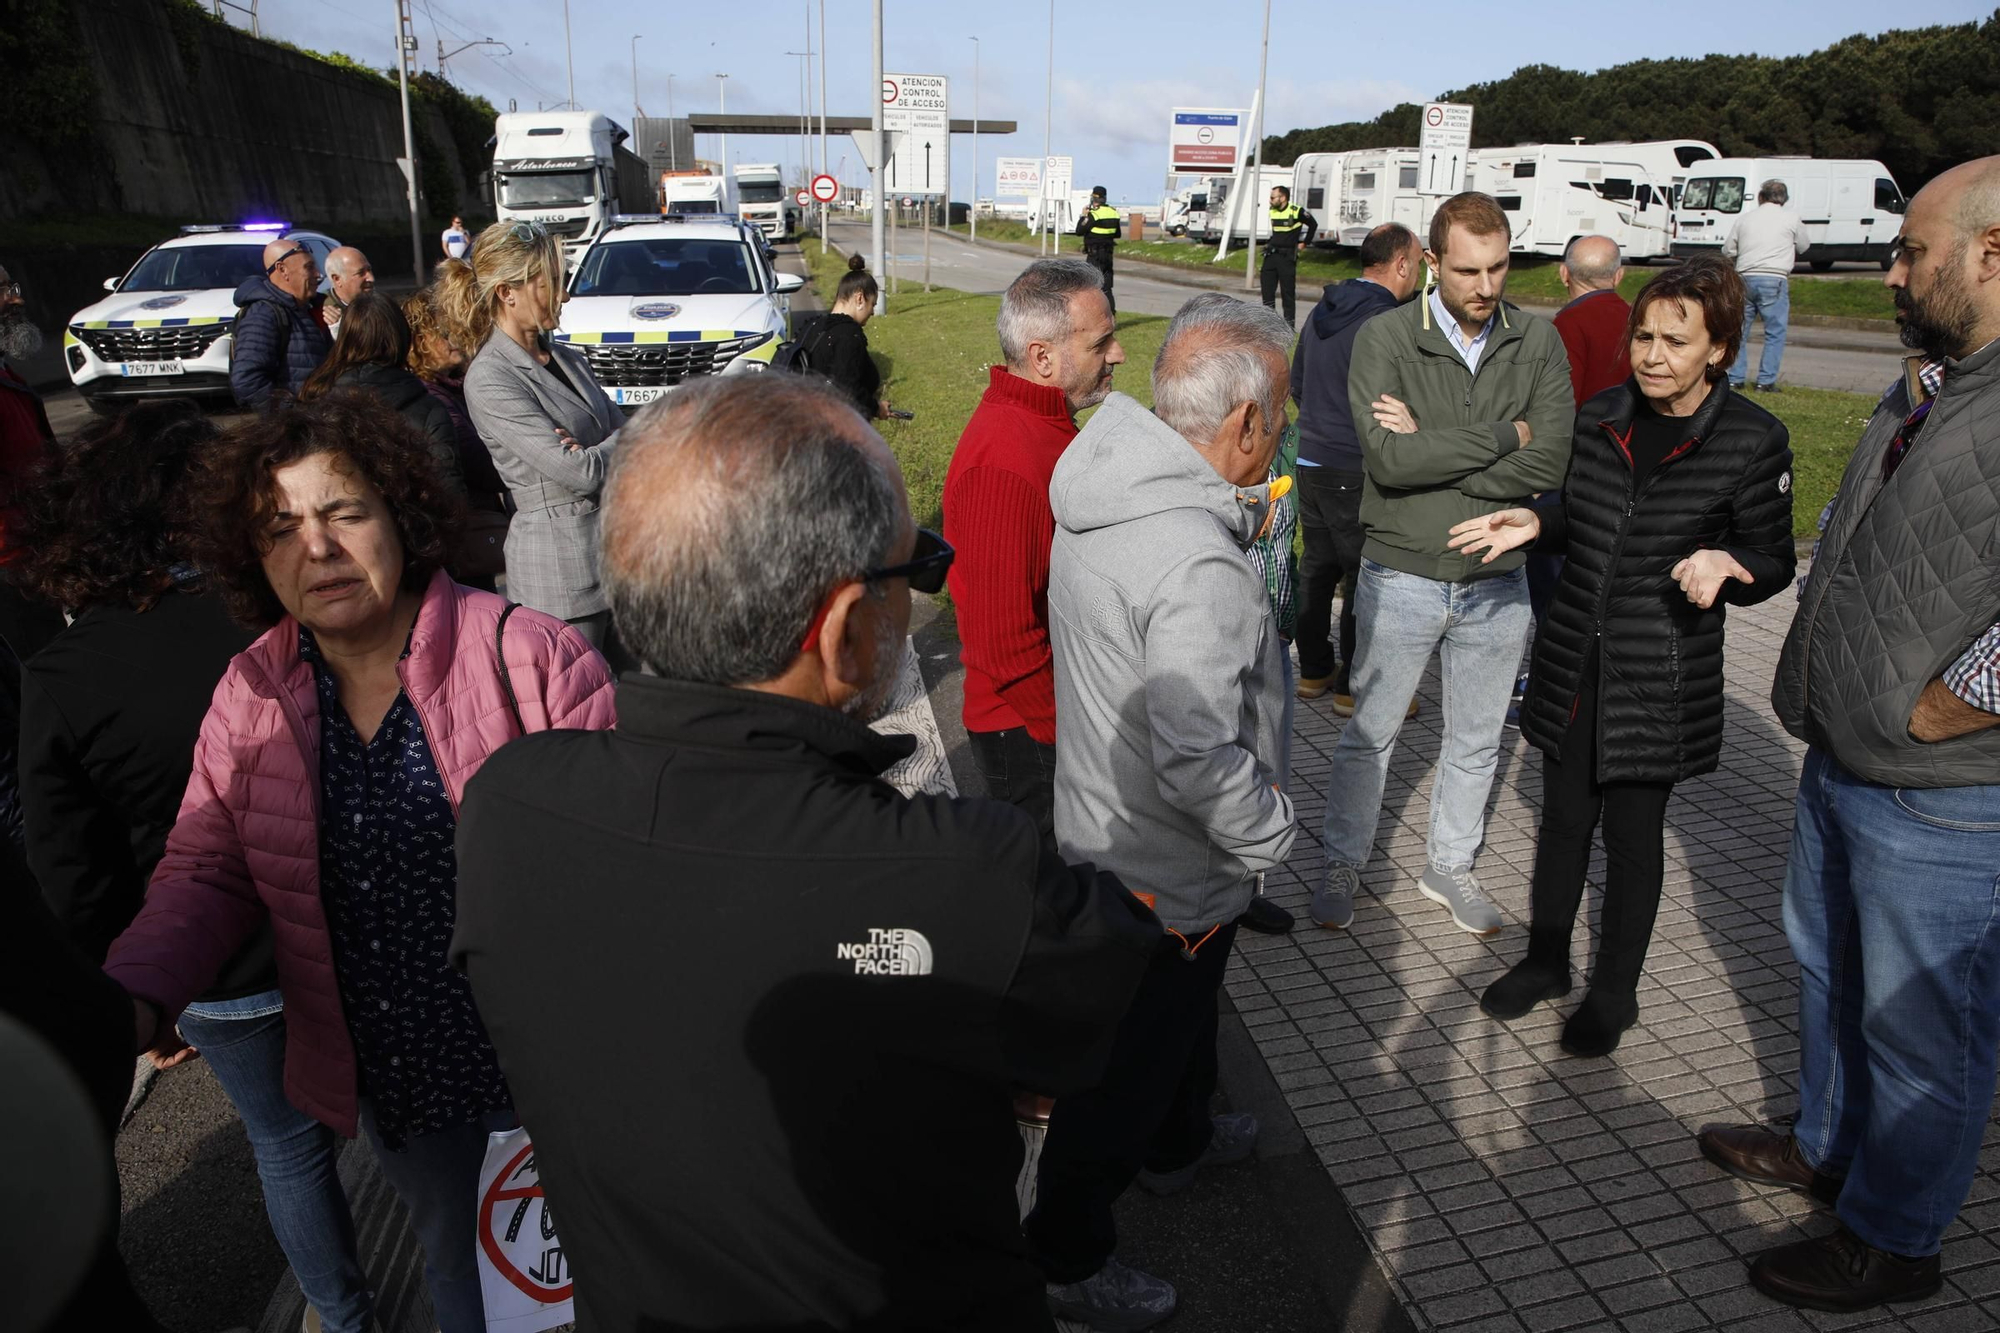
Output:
x=802 y=198
x=918 y=105
x=864 y=144
x=1017 y=178
x=1445 y=148
x=1204 y=140
x=909 y=202
x=825 y=189
x=1060 y=171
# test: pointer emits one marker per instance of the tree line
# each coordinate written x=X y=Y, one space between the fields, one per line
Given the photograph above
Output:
x=1919 y=101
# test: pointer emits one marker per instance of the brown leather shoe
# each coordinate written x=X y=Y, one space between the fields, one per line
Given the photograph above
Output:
x=1765 y=1156
x=1842 y=1273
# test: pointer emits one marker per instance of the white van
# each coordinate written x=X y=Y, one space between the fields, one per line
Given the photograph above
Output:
x=1852 y=207
x=1554 y=193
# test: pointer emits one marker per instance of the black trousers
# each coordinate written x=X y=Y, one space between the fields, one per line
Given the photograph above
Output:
x=1330 y=518
x=1149 y=1111
x=1019 y=770
x=1280 y=276
x=1633 y=815
x=1100 y=259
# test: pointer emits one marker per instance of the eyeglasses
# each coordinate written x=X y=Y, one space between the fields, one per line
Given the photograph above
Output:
x=12 y=289
x=926 y=566
x=279 y=262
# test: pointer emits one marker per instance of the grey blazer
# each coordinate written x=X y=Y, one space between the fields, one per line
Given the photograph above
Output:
x=516 y=406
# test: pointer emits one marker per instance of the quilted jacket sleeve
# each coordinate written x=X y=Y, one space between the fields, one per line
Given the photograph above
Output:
x=256 y=354
x=1760 y=522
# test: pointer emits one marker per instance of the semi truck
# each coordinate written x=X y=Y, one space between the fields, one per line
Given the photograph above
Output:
x=568 y=171
x=764 y=202
x=689 y=192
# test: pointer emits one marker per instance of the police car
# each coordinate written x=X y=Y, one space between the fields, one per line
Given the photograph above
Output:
x=659 y=299
x=164 y=330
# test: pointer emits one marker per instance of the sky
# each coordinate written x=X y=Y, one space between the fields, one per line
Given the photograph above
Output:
x=1118 y=69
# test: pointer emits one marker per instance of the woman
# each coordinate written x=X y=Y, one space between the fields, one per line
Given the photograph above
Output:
x=114 y=704
x=436 y=359
x=838 y=346
x=325 y=795
x=543 y=415
x=1678 y=502
x=369 y=358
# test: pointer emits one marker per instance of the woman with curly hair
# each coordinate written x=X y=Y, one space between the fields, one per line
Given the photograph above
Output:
x=437 y=358
x=325 y=795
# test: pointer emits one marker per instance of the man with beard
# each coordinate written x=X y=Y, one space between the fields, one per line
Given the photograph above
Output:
x=1891 y=674
x=762 y=1013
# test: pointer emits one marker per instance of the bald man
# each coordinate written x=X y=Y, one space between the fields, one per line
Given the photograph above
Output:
x=1891 y=675
x=1592 y=325
x=873 y=973
x=278 y=339
x=348 y=274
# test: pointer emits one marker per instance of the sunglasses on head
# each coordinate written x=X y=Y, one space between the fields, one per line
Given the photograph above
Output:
x=925 y=569
x=279 y=262
x=528 y=231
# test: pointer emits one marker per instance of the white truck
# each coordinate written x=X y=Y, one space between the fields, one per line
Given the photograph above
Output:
x=690 y=192
x=1852 y=207
x=567 y=171
x=764 y=201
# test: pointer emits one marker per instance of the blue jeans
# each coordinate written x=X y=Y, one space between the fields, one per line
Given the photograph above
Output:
x=1892 y=907
x=243 y=1043
x=1477 y=628
x=437 y=1178
x=1771 y=298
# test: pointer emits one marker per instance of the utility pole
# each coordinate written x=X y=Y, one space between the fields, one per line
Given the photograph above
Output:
x=876 y=172
x=636 y=112
x=1256 y=172
x=569 y=57
x=406 y=45
x=673 y=135
x=805 y=64
x=722 y=108
x=823 y=218
x=972 y=217
x=1048 y=123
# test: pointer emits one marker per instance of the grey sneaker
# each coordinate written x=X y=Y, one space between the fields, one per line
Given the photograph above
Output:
x=1114 y=1298
x=1460 y=892
x=1333 y=901
x=1234 y=1136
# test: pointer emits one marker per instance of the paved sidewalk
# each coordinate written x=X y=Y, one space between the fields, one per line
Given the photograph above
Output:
x=1503 y=1184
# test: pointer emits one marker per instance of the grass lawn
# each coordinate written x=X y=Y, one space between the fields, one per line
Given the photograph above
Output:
x=934 y=349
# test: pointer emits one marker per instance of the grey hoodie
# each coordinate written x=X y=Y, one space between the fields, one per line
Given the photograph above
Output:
x=1169 y=693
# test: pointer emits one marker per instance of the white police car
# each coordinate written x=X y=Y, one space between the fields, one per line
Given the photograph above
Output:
x=164 y=330
x=657 y=300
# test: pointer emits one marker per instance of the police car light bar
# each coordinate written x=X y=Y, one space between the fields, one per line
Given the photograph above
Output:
x=207 y=228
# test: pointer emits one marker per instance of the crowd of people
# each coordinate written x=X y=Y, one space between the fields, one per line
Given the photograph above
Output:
x=291 y=788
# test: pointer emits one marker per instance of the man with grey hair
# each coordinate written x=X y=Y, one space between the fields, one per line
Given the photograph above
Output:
x=1060 y=348
x=854 y=978
x=1765 y=245
x=348 y=274
x=1171 y=695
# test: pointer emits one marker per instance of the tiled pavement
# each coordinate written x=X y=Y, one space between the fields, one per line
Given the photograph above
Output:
x=1504 y=1185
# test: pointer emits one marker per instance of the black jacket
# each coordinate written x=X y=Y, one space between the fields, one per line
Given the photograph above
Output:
x=276 y=342
x=1658 y=656
x=1319 y=371
x=111 y=710
x=407 y=394
x=762 y=1013
x=837 y=348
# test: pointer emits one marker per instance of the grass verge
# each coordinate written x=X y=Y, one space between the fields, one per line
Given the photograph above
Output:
x=934 y=348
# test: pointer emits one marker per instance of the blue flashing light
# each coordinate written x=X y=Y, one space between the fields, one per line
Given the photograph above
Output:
x=265 y=226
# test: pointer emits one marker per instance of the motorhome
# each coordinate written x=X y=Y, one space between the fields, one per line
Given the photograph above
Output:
x=1252 y=212
x=1379 y=185
x=567 y=171
x=1554 y=193
x=764 y=201
x=1852 y=207
x=688 y=192
x=1317 y=182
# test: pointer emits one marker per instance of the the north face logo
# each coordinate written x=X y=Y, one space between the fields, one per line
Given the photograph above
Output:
x=894 y=952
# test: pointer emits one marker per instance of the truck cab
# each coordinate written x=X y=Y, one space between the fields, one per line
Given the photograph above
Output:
x=763 y=202
x=691 y=192
x=567 y=171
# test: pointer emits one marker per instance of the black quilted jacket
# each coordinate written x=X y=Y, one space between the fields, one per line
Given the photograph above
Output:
x=1659 y=657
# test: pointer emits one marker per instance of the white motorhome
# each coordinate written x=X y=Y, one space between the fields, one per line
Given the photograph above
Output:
x=764 y=201
x=1379 y=185
x=1554 y=193
x=1252 y=212
x=567 y=171
x=690 y=192
x=1852 y=207
x=1318 y=180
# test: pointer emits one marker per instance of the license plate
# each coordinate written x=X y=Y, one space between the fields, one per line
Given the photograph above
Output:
x=634 y=397
x=149 y=368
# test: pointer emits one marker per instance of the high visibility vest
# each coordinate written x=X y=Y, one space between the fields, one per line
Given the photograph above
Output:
x=1285 y=221
x=1103 y=223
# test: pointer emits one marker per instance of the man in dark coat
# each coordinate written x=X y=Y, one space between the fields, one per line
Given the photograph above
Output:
x=279 y=338
x=762 y=1013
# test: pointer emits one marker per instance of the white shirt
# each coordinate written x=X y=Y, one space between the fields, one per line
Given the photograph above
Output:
x=1767 y=241
x=1469 y=351
x=456 y=242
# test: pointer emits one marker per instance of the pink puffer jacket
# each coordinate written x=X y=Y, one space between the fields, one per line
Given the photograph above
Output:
x=247 y=839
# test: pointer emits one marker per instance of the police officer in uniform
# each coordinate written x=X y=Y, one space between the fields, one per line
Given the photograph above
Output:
x=1291 y=227
x=1100 y=229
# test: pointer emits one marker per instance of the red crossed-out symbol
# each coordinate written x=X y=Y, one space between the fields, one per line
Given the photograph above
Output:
x=1434 y=116
x=498 y=1193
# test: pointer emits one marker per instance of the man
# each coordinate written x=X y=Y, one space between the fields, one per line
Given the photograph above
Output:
x=25 y=435
x=834 y=986
x=1765 y=244
x=1170 y=694
x=1891 y=674
x=348 y=274
x=1442 y=444
x=1330 y=467
x=1100 y=228
x=1592 y=325
x=1059 y=346
x=1291 y=227
x=278 y=339
x=457 y=241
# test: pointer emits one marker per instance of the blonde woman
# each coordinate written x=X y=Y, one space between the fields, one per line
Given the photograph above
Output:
x=544 y=417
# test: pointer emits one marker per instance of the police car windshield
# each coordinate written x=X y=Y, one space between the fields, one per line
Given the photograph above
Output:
x=195 y=268
x=667 y=266
x=545 y=190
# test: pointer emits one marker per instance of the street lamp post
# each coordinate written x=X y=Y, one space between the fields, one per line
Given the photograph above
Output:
x=1048 y=121
x=823 y=215
x=722 y=108
x=972 y=216
x=636 y=112
x=1251 y=186
x=673 y=136
x=569 y=57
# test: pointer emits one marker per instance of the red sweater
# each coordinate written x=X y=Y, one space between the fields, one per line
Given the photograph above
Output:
x=997 y=517
x=1593 y=333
